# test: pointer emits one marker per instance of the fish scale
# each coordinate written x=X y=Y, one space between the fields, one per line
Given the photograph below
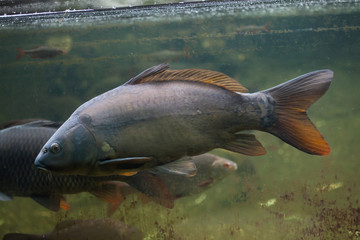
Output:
x=20 y=177
x=161 y=116
x=19 y=146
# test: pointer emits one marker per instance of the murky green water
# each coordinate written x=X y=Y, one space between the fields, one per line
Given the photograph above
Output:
x=286 y=194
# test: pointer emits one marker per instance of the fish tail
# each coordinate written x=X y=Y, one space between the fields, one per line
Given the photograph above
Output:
x=266 y=27
x=292 y=99
x=21 y=53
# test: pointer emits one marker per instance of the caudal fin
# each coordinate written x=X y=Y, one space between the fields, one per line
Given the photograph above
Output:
x=266 y=27
x=21 y=53
x=292 y=99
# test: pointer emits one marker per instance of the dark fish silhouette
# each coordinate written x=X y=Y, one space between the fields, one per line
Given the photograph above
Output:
x=252 y=29
x=210 y=170
x=41 y=52
x=89 y=229
x=19 y=146
x=163 y=115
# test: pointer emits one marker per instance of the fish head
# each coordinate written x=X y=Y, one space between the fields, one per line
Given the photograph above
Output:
x=222 y=167
x=71 y=150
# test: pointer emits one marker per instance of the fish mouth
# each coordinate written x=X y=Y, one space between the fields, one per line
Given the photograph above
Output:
x=43 y=169
x=233 y=167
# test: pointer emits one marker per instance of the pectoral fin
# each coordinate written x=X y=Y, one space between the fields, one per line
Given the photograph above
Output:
x=184 y=166
x=246 y=144
x=125 y=163
x=128 y=174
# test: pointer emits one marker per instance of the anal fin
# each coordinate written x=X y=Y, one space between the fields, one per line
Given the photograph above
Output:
x=246 y=144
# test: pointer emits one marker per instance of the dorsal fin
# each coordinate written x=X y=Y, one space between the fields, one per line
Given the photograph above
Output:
x=160 y=73
x=140 y=78
x=44 y=123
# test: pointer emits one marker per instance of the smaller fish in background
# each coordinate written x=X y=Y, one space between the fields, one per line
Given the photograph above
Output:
x=94 y=229
x=42 y=52
x=166 y=55
x=252 y=29
x=210 y=170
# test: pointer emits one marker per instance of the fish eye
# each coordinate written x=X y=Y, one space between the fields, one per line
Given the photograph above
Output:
x=55 y=148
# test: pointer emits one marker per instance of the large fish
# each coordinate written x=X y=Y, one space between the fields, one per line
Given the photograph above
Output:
x=163 y=115
x=95 y=229
x=19 y=145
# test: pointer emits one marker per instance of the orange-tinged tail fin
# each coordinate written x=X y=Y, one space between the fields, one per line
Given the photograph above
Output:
x=266 y=27
x=21 y=53
x=292 y=99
